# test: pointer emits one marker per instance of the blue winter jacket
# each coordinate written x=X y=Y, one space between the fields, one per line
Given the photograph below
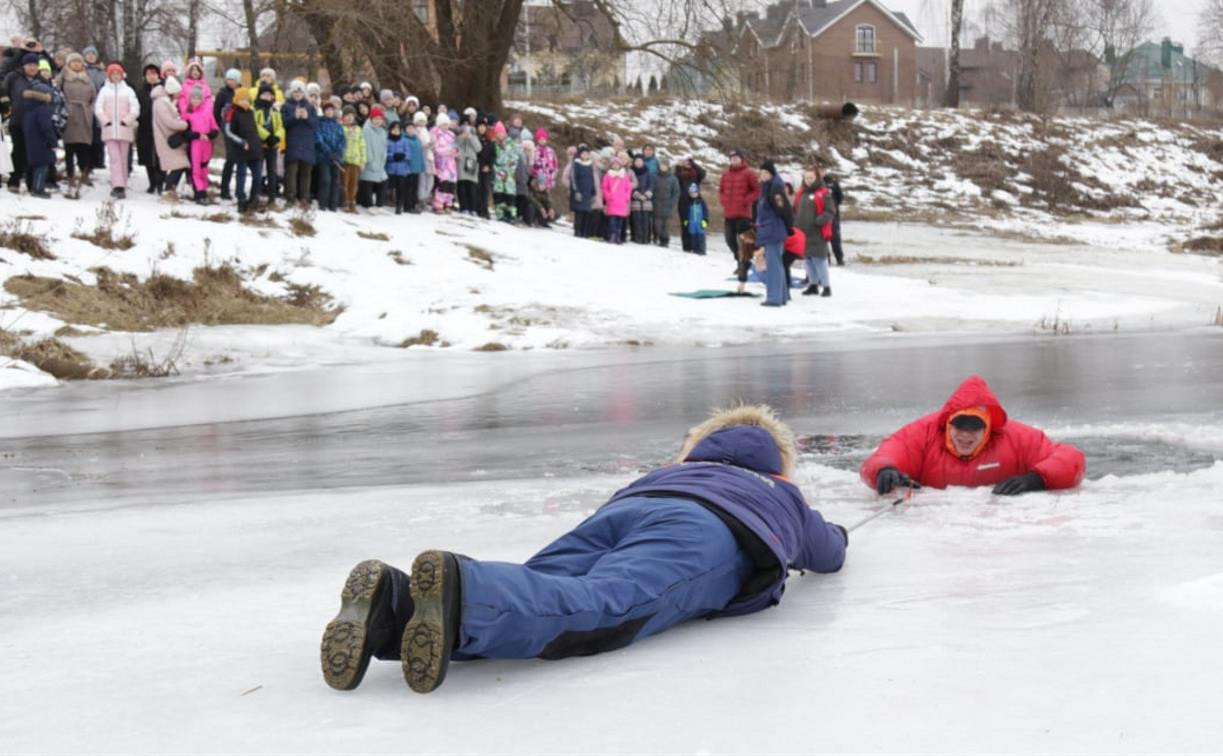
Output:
x=737 y=470
x=581 y=186
x=329 y=141
x=396 y=155
x=773 y=213
x=299 y=132
x=39 y=131
x=416 y=153
x=698 y=211
x=651 y=163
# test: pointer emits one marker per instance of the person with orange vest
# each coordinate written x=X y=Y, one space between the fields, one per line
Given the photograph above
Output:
x=815 y=210
x=971 y=442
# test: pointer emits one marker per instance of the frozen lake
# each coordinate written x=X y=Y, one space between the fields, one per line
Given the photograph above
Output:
x=171 y=551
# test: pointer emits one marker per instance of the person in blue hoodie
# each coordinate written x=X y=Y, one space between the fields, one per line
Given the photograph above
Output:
x=697 y=220
x=713 y=534
x=329 y=145
x=416 y=166
x=582 y=190
x=397 y=164
x=774 y=221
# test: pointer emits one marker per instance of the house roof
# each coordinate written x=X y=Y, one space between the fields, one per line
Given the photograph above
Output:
x=1146 y=64
x=815 y=19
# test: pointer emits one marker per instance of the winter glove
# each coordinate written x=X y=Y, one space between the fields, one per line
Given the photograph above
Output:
x=401 y=158
x=844 y=533
x=704 y=224
x=1017 y=484
x=213 y=134
x=189 y=135
x=889 y=478
x=577 y=196
x=273 y=140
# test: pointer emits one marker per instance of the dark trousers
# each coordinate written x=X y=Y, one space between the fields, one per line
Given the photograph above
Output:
x=256 y=169
x=734 y=227
x=662 y=229
x=20 y=165
x=581 y=220
x=615 y=229
x=398 y=186
x=170 y=183
x=227 y=171
x=483 y=194
x=99 y=148
x=685 y=238
x=837 y=252
x=469 y=191
x=507 y=206
x=787 y=259
x=370 y=193
x=78 y=155
x=698 y=243
x=328 y=186
x=297 y=180
x=271 y=188
x=37 y=181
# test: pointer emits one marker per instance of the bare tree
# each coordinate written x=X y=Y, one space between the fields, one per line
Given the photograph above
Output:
x=953 y=61
x=1210 y=31
x=1110 y=30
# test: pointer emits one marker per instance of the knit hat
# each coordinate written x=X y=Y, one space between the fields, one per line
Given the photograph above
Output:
x=89 y=50
x=44 y=65
x=336 y=102
x=541 y=135
x=412 y=99
x=443 y=120
x=168 y=65
x=736 y=152
x=114 y=67
x=385 y=94
x=29 y=58
x=499 y=130
x=297 y=85
x=694 y=189
x=583 y=148
x=172 y=86
x=349 y=110
x=244 y=94
x=366 y=85
x=420 y=118
x=469 y=111
x=377 y=112
x=314 y=89
x=144 y=71
x=233 y=74
x=264 y=87
x=196 y=63
x=267 y=72
x=73 y=56
x=327 y=105
x=769 y=166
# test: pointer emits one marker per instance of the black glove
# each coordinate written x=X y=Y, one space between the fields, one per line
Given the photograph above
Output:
x=190 y=135
x=400 y=158
x=889 y=478
x=273 y=140
x=213 y=134
x=844 y=533
x=1017 y=484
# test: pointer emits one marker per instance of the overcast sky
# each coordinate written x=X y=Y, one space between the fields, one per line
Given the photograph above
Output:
x=1177 y=18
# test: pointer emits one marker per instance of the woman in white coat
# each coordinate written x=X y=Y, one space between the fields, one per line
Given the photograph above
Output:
x=117 y=109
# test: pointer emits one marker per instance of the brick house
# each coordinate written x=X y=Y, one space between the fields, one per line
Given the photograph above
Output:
x=564 y=48
x=848 y=50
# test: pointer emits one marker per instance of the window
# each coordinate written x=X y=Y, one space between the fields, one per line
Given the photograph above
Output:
x=864 y=38
x=871 y=72
x=421 y=7
x=857 y=70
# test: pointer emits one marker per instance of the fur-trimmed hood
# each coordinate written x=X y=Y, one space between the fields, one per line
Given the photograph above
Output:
x=770 y=449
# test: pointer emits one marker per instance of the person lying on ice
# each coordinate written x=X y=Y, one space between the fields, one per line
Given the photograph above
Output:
x=970 y=442
x=711 y=535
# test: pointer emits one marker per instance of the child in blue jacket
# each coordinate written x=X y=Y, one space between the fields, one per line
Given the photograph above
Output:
x=416 y=166
x=329 y=145
x=697 y=220
x=397 y=165
x=713 y=534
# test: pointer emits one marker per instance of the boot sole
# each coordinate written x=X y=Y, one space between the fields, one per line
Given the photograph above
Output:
x=427 y=641
x=345 y=650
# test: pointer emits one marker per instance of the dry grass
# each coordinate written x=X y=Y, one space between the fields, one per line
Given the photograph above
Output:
x=756 y=133
x=219 y=217
x=373 y=235
x=398 y=257
x=110 y=230
x=146 y=364
x=300 y=225
x=986 y=166
x=259 y=220
x=215 y=296
x=19 y=235
x=1202 y=245
x=426 y=337
x=480 y=256
x=51 y=356
x=492 y=346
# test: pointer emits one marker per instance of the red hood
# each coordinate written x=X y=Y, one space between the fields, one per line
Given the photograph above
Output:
x=974 y=392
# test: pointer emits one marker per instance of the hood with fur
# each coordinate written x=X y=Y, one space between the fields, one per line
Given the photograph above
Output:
x=770 y=448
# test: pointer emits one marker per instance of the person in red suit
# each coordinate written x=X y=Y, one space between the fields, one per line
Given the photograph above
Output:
x=970 y=442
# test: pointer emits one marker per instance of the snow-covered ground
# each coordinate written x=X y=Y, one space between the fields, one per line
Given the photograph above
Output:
x=546 y=290
x=1079 y=622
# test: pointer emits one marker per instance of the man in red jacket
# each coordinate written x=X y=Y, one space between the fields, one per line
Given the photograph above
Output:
x=970 y=442
x=738 y=190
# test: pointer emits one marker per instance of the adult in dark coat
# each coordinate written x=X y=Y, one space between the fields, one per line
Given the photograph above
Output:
x=774 y=219
x=666 y=195
x=40 y=137
x=714 y=534
x=220 y=102
x=834 y=186
x=146 y=152
x=738 y=191
x=13 y=88
x=485 y=160
x=688 y=173
x=582 y=192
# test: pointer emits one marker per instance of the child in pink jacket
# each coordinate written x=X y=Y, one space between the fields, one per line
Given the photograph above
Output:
x=195 y=78
x=617 y=191
x=203 y=125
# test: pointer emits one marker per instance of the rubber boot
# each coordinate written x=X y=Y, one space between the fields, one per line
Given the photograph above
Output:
x=375 y=605
x=430 y=638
